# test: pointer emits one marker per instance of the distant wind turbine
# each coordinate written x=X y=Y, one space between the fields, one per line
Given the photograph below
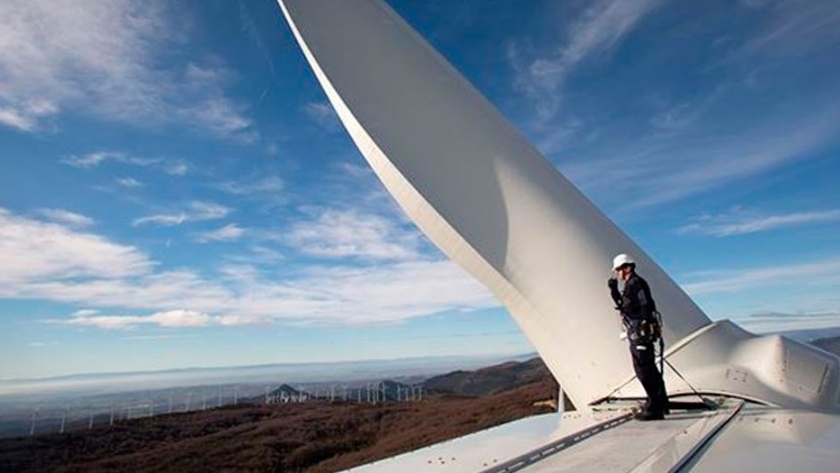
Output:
x=34 y=418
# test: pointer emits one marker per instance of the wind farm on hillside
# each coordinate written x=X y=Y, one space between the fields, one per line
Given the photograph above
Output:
x=289 y=429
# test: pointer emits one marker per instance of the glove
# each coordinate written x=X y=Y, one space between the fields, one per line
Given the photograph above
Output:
x=612 y=283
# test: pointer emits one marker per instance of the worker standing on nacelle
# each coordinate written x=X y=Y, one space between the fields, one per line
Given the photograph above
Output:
x=638 y=313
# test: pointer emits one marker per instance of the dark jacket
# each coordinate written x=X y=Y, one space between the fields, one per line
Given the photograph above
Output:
x=636 y=302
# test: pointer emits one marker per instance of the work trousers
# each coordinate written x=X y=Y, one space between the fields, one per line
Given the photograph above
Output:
x=644 y=363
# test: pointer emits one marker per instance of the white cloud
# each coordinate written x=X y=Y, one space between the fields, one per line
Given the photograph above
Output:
x=66 y=217
x=740 y=222
x=161 y=220
x=46 y=261
x=195 y=211
x=222 y=117
x=103 y=58
x=169 y=319
x=263 y=253
x=323 y=114
x=260 y=255
x=230 y=232
x=153 y=337
x=129 y=182
x=240 y=272
x=26 y=116
x=33 y=250
x=679 y=116
x=200 y=211
x=764 y=322
x=96 y=158
x=266 y=185
x=400 y=291
x=90 y=159
x=340 y=234
x=335 y=295
x=732 y=281
x=14 y=119
x=180 y=318
x=356 y=171
x=85 y=312
x=176 y=169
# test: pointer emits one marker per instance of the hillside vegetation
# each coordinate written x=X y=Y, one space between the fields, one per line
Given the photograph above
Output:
x=306 y=437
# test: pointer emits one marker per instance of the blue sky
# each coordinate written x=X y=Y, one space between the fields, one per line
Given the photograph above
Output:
x=176 y=191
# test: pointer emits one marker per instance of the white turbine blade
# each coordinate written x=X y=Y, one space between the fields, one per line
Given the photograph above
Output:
x=480 y=191
x=493 y=204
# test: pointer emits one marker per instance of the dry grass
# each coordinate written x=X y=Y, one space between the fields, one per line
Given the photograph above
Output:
x=309 y=438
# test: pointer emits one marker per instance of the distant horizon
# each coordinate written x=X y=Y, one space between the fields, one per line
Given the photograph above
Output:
x=266 y=365
x=803 y=335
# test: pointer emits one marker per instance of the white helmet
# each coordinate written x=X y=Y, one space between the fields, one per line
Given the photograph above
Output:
x=621 y=260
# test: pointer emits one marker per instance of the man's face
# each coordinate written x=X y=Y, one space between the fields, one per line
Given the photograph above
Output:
x=623 y=272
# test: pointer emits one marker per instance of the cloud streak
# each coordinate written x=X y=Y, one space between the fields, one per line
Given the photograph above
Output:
x=195 y=211
x=738 y=222
x=129 y=182
x=704 y=128
x=26 y=116
x=65 y=217
x=764 y=322
x=97 y=158
x=323 y=115
x=797 y=27
x=230 y=232
x=733 y=281
x=654 y=169
x=266 y=185
x=598 y=30
x=94 y=159
x=167 y=319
